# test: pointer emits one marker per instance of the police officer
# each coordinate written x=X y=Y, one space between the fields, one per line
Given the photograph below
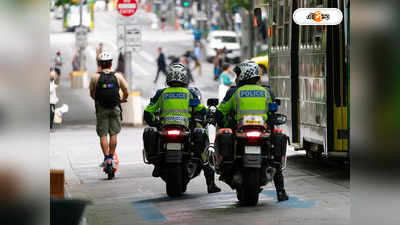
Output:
x=173 y=102
x=249 y=98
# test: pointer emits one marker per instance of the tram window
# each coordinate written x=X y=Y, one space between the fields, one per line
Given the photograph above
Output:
x=287 y=11
x=319 y=3
x=280 y=15
x=274 y=12
x=280 y=36
x=318 y=35
x=274 y=35
x=310 y=35
x=286 y=37
x=303 y=35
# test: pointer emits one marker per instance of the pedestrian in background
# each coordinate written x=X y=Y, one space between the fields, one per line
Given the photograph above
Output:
x=237 y=18
x=225 y=82
x=217 y=63
x=163 y=20
x=161 y=64
x=197 y=33
x=197 y=58
x=76 y=64
x=58 y=62
x=121 y=64
x=53 y=96
x=99 y=50
x=185 y=62
x=104 y=90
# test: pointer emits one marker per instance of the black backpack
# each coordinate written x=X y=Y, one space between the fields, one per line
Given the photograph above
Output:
x=107 y=90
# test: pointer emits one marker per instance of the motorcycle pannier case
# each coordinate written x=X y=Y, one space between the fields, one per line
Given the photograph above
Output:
x=224 y=143
x=151 y=144
x=280 y=145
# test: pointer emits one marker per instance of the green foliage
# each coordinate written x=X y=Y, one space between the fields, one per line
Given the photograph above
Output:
x=65 y=2
x=231 y=4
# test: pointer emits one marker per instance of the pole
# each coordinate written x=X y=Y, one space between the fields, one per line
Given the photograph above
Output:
x=80 y=25
x=252 y=30
x=128 y=69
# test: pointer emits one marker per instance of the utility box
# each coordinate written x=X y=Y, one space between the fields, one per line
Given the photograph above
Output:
x=80 y=79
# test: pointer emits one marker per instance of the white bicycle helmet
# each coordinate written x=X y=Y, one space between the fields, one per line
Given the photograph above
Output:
x=105 y=56
x=246 y=70
x=177 y=73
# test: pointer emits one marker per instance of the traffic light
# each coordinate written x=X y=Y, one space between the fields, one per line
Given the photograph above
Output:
x=186 y=3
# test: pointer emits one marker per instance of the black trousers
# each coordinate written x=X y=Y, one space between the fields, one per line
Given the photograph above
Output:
x=160 y=69
x=52 y=108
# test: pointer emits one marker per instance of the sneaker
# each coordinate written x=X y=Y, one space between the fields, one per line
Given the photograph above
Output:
x=282 y=196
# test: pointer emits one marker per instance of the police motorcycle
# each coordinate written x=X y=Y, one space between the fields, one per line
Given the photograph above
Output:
x=176 y=149
x=244 y=156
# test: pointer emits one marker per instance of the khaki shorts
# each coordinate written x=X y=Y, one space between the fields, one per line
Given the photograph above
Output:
x=108 y=120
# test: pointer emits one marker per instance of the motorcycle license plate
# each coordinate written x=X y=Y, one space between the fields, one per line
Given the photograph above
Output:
x=252 y=150
x=174 y=146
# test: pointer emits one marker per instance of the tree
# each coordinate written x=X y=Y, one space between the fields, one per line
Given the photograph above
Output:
x=66 y=2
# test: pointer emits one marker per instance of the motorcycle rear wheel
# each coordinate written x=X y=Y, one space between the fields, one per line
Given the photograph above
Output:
x=174 y=181
x=248 y=193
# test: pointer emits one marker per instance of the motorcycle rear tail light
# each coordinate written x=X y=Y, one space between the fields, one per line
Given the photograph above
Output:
x=174 y=132
x=253 y=134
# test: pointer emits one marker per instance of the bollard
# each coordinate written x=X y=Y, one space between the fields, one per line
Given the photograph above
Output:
x=132 y=112
x=57 y=184
x=79 y=79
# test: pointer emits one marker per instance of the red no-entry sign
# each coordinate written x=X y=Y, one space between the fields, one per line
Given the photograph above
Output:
x=127 y=7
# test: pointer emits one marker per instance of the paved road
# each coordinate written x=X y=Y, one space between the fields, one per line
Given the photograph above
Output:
x=319 y=191
x=143 y=62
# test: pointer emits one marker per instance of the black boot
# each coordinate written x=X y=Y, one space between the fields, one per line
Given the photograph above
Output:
x=282 y=196
x=279 y=185
x=209 y=175
x=213 y=188
x=156 y=171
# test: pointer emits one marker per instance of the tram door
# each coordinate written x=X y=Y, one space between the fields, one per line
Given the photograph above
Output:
x=338 y=135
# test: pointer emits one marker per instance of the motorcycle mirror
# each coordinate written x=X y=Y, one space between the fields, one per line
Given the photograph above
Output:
x=212 y=102
x=258 y=15
x=280 y=119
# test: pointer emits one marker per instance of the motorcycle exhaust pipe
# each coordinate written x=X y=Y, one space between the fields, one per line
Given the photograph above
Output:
x=237 y=179
x=270 y=172
x=210 y=156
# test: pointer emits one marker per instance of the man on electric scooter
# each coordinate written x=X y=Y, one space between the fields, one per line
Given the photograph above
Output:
x=180 y=101
x=104 y=90
x=249 y=98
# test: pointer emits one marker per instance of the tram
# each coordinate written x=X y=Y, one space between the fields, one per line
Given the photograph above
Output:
x=309 y=72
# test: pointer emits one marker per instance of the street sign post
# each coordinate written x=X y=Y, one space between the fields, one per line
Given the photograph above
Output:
x=127 y=7
x=81 y=37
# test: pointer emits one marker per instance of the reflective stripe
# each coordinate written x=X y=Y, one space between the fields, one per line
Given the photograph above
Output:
x=252 y=112
x=237 y=102
x=266 y=103
x=238 y=111
x=175 y=111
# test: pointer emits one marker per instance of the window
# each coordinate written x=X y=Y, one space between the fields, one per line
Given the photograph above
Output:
x=280 y=37
x=303 y=35
x=287 y=11
x=274 y=35
x=286 y=37
x=274 y=12
x=281 y=14
x=310 y=35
